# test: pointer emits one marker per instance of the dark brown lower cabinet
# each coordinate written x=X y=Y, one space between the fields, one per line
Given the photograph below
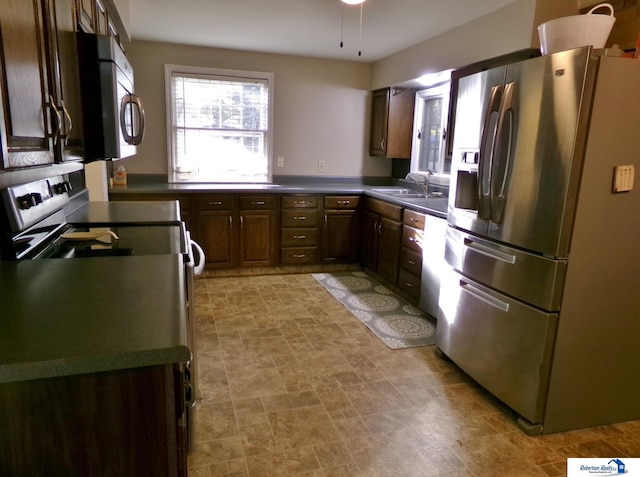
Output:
x=258 y=234
x=381 y=236
x=120 y=423
x=257 y=242
x=341 y=229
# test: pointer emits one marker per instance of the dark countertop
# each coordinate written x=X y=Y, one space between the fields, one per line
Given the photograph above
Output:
x=432 y=206
x=108 y=213
x=65 y=317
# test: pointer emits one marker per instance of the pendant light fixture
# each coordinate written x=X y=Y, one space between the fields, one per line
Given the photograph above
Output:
x=352 y=2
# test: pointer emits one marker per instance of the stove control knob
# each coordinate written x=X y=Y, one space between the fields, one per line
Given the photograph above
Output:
x=62 y=187
x=25 y=202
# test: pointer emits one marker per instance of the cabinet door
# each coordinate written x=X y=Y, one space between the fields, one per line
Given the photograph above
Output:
x=389 y=249
x=25 y=84
x=369 y=240
x=66 y=81
x=257 y=238
x=379 y=122
x=215 y=236
x=400 y=123
x=86 y=15
x=338 y=236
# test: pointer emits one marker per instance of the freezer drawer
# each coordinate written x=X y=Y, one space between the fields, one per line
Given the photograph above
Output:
x=532 y=278
x=503 y=344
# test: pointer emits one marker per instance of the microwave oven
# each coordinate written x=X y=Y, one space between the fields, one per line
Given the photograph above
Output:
x=113 y=115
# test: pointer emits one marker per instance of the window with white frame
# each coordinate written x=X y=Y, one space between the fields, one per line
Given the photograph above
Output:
x=219 y=126
x=430 y=129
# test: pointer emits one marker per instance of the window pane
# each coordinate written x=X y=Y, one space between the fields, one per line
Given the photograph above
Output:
x=431 y=141
x=220 y=128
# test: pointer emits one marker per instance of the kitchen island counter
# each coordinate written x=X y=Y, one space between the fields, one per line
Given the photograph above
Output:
x=68 y=317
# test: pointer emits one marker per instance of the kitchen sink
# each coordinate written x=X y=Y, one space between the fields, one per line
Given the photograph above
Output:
x=392 y=190
x=407 y=193
x=410 y=195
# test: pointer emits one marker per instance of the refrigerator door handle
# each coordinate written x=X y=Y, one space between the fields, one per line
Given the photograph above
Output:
x=487 y=148
x=487 y=251
x=484 y=296
x=503 y=152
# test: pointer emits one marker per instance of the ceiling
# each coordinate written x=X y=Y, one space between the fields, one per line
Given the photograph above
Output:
x=303 y=27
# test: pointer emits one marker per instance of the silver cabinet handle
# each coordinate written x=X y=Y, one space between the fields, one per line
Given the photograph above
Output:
x=299 y=217
x=68 y=122
x=299 y=237
x=408 y=284
x=299 y=255
x=56 y=134
x=257 y=202
x=217 y=202
x=411 y=262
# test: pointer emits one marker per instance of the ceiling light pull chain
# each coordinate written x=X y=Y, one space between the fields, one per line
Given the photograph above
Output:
x=342 y=27
x=360 y=39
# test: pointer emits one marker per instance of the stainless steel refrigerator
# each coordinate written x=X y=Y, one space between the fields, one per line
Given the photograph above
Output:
x=540 y=303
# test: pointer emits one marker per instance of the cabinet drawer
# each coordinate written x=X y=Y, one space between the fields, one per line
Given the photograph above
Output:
x=299 y=202
x=213 y=202
x=261 y=202
x=386 y=209
x=412 y=239
x=298 y=255
x=414 y=219
x=299 y=237
x=299 y=218
x=409 y=283
x=411 y=261
x=341 y=202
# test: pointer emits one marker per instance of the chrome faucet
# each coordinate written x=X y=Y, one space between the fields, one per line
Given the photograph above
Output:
x=422 y=179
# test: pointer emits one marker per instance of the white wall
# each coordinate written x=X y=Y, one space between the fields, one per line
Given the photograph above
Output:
x=508 y=29
x=320 y=111
x=503 y=31
x=322 y=106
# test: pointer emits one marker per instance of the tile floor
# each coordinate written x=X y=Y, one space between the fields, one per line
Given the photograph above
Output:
x=293 y=385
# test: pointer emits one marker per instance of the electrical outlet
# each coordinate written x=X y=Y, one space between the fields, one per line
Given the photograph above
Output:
x=280 y=162
x=322 y=166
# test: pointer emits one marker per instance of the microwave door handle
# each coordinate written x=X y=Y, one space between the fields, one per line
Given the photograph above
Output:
x=137 y=102
x=132 y=137
x=126 y=99
x=504 y=152
x=487 y=142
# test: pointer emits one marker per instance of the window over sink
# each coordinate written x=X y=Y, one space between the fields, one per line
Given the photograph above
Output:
x=219 y=124
x=430 y=132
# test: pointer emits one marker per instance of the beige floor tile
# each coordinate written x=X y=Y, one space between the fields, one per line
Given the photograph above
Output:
x=293 y=385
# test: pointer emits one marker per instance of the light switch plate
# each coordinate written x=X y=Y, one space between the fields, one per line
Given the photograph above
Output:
x=623 y=178
x=280 y=162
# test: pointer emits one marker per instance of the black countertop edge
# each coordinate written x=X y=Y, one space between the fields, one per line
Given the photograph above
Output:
x=16 y=372
x=141 y=180
x=148 y=184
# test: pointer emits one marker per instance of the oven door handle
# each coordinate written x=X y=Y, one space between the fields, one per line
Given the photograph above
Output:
x=199 y=265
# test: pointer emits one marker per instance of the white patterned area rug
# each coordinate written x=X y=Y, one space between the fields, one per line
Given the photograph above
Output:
x=392 y=319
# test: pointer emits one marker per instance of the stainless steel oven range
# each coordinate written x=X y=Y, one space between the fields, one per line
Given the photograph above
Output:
x=35 y=226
